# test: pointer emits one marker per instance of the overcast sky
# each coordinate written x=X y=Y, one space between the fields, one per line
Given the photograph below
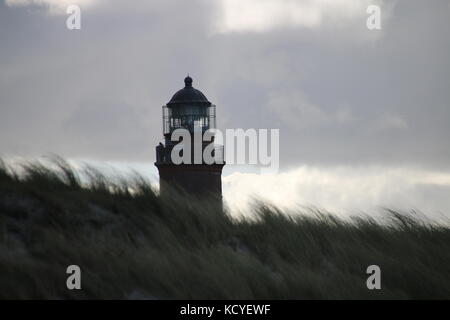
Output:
x=341 y=95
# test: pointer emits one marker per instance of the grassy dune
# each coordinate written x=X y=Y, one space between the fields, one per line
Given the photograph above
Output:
x=130 y=244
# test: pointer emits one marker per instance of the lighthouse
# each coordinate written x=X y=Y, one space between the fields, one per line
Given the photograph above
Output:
x=190 y=110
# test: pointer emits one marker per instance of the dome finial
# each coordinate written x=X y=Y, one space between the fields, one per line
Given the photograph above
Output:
x=188 y=81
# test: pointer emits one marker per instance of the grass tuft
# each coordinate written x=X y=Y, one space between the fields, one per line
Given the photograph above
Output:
x=131 y=244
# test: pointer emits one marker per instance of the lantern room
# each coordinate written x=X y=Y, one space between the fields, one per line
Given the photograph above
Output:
x=188 y=109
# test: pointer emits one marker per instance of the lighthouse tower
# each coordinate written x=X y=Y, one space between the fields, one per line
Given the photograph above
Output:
x=189 y=109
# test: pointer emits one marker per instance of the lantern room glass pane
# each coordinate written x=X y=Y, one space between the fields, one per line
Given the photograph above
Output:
x=190 y=117
x=189 y=111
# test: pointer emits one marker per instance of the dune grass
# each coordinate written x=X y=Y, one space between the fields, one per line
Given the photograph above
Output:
x=131 y=244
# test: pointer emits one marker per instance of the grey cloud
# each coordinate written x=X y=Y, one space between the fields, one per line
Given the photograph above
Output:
x=375 y=97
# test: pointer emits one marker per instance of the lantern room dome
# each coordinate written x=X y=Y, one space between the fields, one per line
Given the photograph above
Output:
x=188 y=95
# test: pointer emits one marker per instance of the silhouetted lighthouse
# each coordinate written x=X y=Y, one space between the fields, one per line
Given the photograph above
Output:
x=189 y=109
